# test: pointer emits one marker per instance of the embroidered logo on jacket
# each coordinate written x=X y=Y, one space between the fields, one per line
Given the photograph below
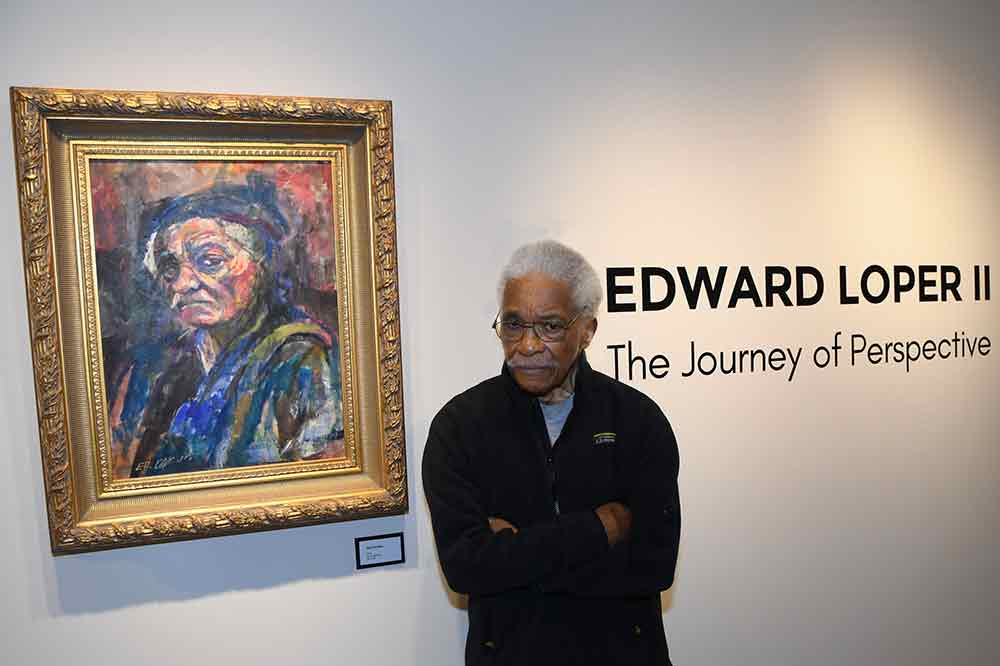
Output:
x=604 y=439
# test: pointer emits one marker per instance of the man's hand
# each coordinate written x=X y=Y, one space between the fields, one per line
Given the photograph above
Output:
x=617 y=521
x=499 y=524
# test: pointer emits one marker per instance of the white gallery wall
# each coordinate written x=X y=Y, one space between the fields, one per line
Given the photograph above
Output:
x=848 y=516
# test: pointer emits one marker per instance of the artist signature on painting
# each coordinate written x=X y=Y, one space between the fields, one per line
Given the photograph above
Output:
x=161 y=463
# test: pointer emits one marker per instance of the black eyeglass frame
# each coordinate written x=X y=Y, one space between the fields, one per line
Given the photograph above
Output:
x=534 y=326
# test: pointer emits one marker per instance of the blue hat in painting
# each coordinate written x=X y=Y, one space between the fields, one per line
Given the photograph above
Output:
x=252 y=205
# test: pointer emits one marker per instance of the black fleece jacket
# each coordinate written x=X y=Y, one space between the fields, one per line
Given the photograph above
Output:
x=554 y=592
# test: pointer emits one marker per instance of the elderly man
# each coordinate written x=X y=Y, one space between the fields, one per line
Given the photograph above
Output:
x=553 y=488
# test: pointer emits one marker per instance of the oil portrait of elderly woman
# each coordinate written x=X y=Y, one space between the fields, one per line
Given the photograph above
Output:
x=218 y=308
x=213 y=308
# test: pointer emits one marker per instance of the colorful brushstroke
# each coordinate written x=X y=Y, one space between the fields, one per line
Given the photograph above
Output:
x=218 y=313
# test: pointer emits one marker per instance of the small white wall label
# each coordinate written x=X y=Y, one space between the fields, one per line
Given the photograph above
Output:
x=379 y=551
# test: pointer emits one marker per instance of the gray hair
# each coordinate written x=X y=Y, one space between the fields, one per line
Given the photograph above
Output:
x=559 y=262
x=246 y=238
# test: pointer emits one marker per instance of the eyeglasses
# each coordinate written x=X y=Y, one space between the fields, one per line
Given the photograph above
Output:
x=512 y=330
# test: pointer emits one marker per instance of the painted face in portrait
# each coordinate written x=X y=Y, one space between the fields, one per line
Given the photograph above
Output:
x=539 y=366
x=209 y=276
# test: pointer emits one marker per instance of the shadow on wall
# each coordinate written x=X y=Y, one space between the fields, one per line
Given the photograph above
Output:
x=186 y=570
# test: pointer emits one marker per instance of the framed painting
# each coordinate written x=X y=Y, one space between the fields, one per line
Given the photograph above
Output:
x=214 y=312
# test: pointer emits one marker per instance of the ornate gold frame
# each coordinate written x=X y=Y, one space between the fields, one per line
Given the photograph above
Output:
x=53 y=132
